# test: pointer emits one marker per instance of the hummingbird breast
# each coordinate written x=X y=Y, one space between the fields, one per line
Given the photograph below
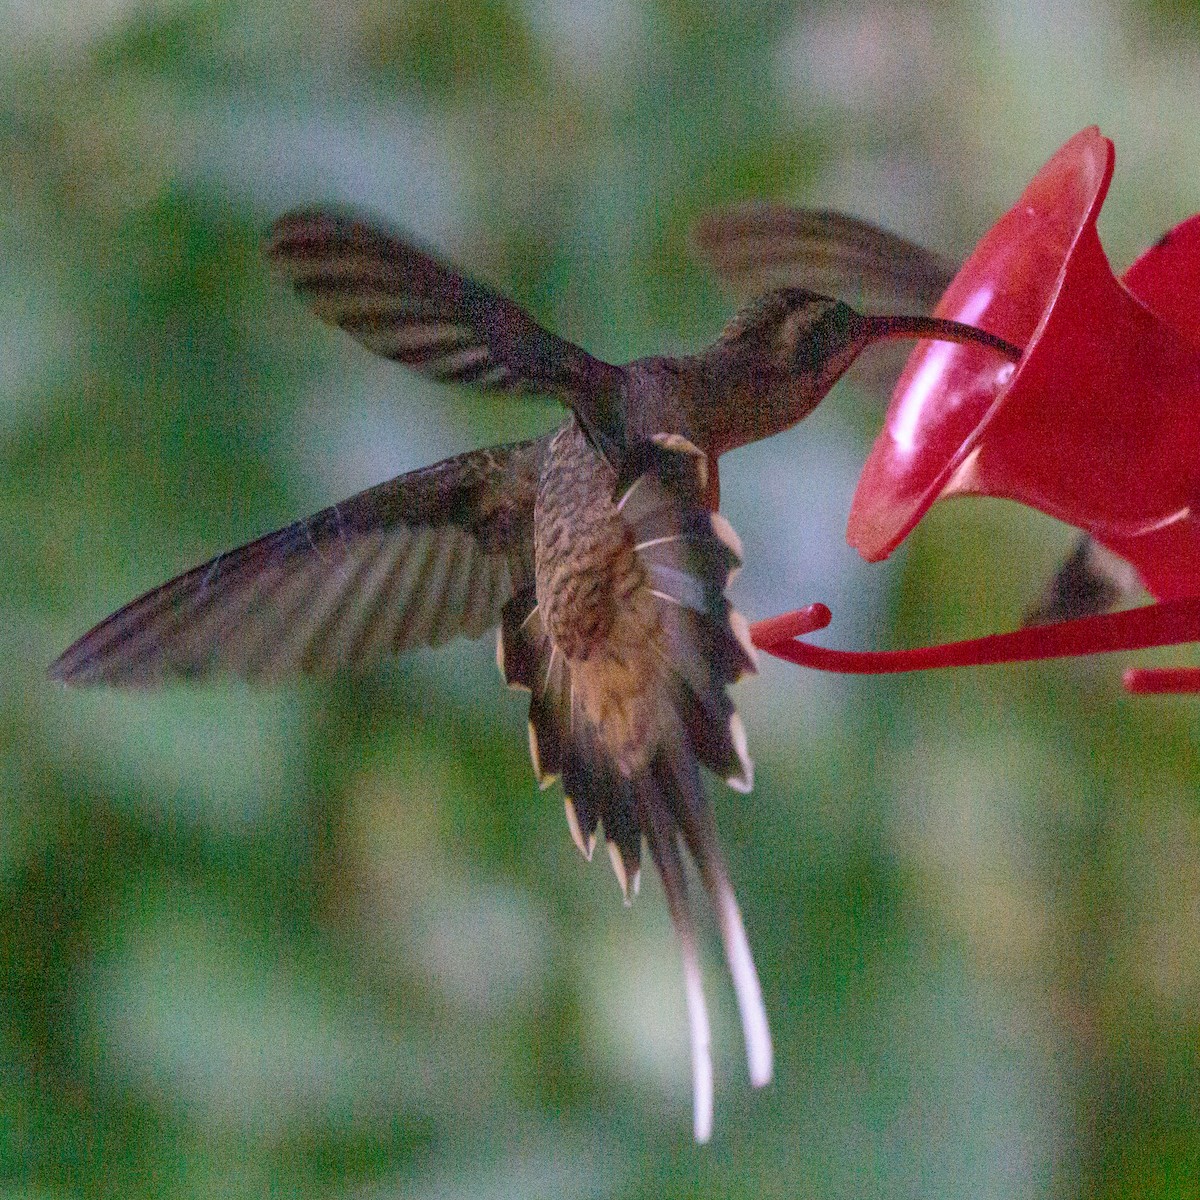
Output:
x=594 y=597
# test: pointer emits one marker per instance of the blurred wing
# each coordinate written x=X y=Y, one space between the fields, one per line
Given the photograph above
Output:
x=756 y=248
x=404 y=304
x=415 y=561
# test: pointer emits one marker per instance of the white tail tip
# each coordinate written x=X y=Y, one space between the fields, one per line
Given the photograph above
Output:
x=618 y=866
x=759 y=1055
x=585 y=846
x=701 y=1039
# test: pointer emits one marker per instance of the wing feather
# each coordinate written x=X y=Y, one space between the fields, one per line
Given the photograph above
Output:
x=421 y=559
x=405 y=304
x=759 y=247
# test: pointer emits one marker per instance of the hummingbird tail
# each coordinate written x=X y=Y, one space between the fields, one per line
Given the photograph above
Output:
x=564 y=744
x=688 y=555
x=674 y=809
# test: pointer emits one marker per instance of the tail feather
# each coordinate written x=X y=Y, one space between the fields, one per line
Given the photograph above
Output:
x=714 y=730
x=746 y=985
x=672 y=803
x=528 y=660
x=562 y=744
x=689 y=555
x=591 y=778
x=664 y=849
x=679 y=781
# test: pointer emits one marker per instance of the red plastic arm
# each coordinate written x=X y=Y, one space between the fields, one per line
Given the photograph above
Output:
x=1168 y=623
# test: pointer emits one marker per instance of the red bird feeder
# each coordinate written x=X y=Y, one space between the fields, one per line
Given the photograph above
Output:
x=1097 y=425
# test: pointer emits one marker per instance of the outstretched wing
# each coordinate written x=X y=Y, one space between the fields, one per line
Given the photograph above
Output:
x=758 y=247
x=415 y=561
x=404 y=304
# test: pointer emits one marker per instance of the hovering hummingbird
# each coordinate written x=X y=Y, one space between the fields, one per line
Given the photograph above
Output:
x=759 y=246
x=596 y=549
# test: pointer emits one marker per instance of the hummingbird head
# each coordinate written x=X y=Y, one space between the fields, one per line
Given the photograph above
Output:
x=808 y=336
x=774 y=362
x=780 y=355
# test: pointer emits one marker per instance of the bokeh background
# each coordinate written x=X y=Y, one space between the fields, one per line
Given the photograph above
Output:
x=329 y=939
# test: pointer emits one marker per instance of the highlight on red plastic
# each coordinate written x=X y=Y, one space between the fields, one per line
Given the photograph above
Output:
x=1167 y=623
x=1097 y=425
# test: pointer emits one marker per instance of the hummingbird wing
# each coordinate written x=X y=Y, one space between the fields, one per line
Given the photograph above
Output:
x=758 y=247
x=406 y=305
x=416 y=561
x=1091 y=579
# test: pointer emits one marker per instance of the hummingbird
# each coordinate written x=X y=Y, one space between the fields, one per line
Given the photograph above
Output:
x=762 y=245
x=596 y=551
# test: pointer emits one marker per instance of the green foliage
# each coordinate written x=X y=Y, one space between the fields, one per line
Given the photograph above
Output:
x=330 y=939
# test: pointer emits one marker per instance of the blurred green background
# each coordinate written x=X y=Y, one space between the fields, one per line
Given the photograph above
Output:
x=329 y=939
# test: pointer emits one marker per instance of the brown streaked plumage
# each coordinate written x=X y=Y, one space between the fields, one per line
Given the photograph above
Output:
x=595 y=549
x=758 y=246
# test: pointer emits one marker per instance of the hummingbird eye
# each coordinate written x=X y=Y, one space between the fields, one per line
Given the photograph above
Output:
x=820 y=332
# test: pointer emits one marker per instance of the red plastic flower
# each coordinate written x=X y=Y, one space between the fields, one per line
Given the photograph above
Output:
x=1097 y=425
